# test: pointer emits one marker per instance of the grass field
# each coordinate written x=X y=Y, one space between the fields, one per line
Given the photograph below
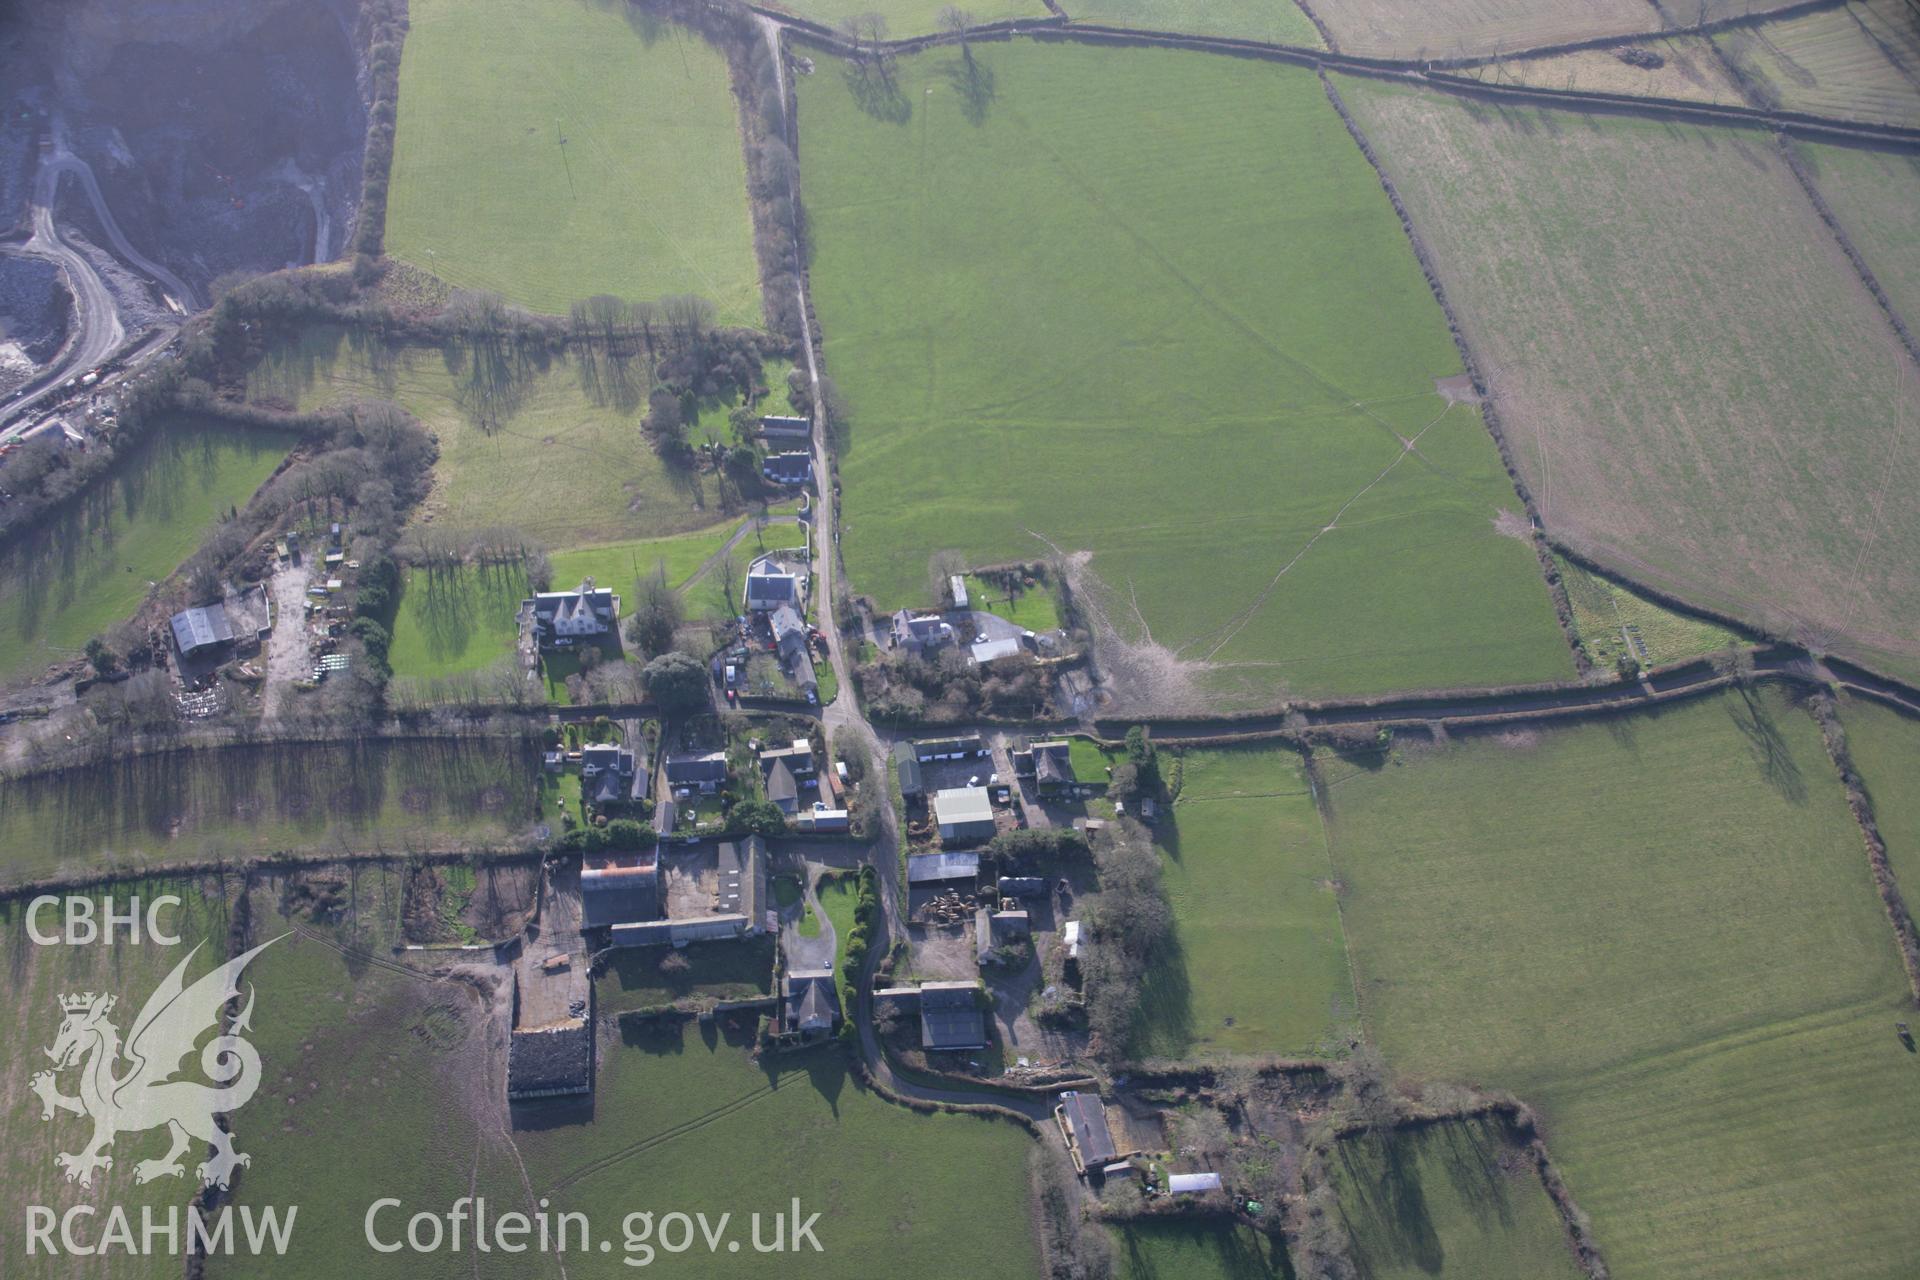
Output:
x=551 y=151
x=1453 y=28
x=380 y=1082
x=37 y=977
x=457 y=619
x=837 y=896
x=1661 y=933
x=1860 y=61
x=546 y=449
x=1241 y=19
x=888 y=1183
x=88 y=564
x=1696 y=385
x=1258 y=963
x=1690 y=70
x=402 y=796
x=1886 y=751
x=1191 y=1251
x=1459 y=1199
x=1053 y=325
x=1603 y=609
x=1876 y=197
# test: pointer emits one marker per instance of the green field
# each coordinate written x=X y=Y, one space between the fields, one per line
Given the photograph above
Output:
x=37 y=977
x=539 y=450
x=684 y=1120
x=549 y=151
x=1660 y=932
x=1698 y=389
x=621 y=564
x=1603 y=609
x=1859 y=61
x=721 y=971
x=1876 y=197
x=1258 y=964
x=1184 y=1251
x=462 y=618
x=1053 y=323
x=1451 y=1200
x=1886 y=750
x=1242 y=19
x=88 y=564
x=398 y=795
x=1033 y=609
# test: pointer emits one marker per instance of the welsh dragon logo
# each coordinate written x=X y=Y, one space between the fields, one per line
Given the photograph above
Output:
x=130 y=1088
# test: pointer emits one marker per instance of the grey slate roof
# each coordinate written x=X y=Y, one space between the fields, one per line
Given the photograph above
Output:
x=930 y=868
x=812 y=1003
x=1087 y=1118
x=201 y=627
x=619 y=889
x=951 y=1017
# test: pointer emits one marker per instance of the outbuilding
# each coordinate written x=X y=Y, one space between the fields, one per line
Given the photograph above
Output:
x=964 y=815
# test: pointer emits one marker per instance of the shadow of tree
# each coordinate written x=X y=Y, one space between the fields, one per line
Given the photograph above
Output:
x=876 y=91
x=973 y=81
x=1769 y=746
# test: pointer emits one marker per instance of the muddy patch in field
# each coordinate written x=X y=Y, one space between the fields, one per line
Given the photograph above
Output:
x=1513 y=525
x=1457 y=390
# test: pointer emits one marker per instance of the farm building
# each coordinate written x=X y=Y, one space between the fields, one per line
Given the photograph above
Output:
x=911 y=783
x=1192 y=1184
x=743 y=882
x=201 y=629
x=957 y=587
x=985 y=651
x=609 y=774
x=964 y=815
x=940 y=868
x=951 y=1017
x=997 y=928
x=550 y=1062
x=562 y=617
x=920 y=633
x=770 y=585
x=704 y=773
x=810 y=1005
x=793 y=469
x=822 y=817
x=970 y=747
x=1083 y=1122
x=1021 y=887
x=619 y=888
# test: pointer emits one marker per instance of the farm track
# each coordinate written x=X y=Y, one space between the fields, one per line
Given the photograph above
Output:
x=1435 y=73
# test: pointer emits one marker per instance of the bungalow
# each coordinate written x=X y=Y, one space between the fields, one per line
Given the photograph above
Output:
x=770 y=585
x=562 y=617
x=1083 y=1123
x=920 y=633
x=792 y=469
x=964 y=815
x=703 y=773
x=774 y=426
x=810 y=1005
x=789 y=633
x=782 y=788
x=798 y=754
x=619 y=888
x=951 y=1016
x=609 y=774
x=203 y=628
